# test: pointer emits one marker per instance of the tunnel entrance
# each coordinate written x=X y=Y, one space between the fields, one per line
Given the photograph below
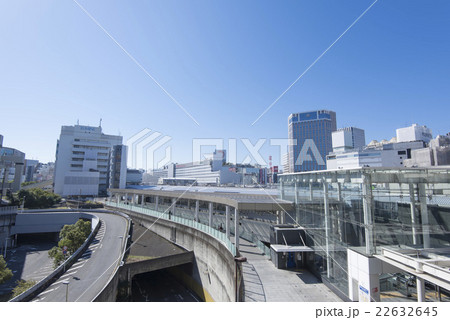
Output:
x=50 y=238
x=160 y=286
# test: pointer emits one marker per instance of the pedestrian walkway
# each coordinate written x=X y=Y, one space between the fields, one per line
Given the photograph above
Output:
x=264 y=282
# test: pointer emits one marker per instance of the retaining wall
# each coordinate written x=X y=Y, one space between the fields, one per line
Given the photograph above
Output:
x=213 y=271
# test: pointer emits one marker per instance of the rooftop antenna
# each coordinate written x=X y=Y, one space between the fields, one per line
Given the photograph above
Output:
x=100 y=122
x=78 y=122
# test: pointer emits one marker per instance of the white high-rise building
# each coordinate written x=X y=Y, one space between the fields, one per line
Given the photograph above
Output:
x=349 y=138
x=414 y=133
x=83 y=161
x=285 y=162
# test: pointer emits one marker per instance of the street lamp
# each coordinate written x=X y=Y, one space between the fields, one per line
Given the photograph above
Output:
x=66 y=282
x=238 y=259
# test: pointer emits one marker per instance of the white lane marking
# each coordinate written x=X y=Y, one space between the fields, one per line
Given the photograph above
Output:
x=47 y=291
x=39 y=299
x=77 y=263
x=69 y=274
x=61 y=281
x=74 y=268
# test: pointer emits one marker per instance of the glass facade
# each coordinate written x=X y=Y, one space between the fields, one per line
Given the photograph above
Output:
x=366 y=210
x=312 y=133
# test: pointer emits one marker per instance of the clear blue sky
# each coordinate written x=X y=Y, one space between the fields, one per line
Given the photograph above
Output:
x=225 y=62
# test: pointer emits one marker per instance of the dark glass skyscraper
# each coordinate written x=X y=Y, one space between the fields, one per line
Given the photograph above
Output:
x=312 y=134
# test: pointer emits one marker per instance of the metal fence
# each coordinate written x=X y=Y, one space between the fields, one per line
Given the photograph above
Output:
x=187 y=222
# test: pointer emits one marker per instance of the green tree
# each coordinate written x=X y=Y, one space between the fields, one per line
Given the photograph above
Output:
x=37 y=198
x=72 y=236
x=5 y=273
x=23 y=184
x=22 y=286
x=57 y=255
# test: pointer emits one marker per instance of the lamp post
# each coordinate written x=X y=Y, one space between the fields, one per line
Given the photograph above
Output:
x=67 y=288
x=237 y=260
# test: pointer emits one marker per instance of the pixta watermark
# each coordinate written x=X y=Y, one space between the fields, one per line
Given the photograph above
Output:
x=150 y=150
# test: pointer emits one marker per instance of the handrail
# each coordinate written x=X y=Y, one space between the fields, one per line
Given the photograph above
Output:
x=190 y=223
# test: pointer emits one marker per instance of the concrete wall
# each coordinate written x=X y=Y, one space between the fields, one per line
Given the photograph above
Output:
x=45 y=222
x=213 y=267
x=129 y=270
x=364 y=276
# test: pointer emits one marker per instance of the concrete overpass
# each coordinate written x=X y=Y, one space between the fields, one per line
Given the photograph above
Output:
x=88 y=271
x=214 y=202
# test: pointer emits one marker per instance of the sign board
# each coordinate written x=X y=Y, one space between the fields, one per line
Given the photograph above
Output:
x=363 y=294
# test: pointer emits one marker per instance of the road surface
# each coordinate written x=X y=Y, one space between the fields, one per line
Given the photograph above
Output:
x=92 y=271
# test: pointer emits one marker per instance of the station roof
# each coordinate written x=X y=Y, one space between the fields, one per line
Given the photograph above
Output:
x=260 y=200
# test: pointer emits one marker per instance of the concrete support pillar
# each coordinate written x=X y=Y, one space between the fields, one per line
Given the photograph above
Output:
x=126 y=198
x=156 y=203
x=281 y=190
x=197 y=206
x=282 y=216
x=142 y=201
x=133 y=199
x=424 y=215
x=413 y=213
x=368 y=213
x=129 y=282
x=340 y=222
x=311 y=193
x=210 y=214
x=326 y=208
x=174 y=204
x=420 y=285
x=296 y=192
x=117 y=198
x=227 y=221
x=296 y=202
x=236 y=228
x=277 y=213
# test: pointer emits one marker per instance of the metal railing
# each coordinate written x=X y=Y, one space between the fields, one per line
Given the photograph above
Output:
x=187 y=222
x=8 y=210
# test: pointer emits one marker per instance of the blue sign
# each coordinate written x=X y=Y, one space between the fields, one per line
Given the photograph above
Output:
x=363 y=289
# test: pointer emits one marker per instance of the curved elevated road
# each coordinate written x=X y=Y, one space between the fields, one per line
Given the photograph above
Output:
x=92 y=271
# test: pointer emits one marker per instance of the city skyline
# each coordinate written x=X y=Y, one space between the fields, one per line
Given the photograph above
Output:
x=224 y=63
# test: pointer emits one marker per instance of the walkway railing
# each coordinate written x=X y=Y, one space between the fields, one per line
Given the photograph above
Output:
x=187 y=222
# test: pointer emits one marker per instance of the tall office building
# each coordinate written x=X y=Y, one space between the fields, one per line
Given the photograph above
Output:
x=118 y=167
x=312 y=133
x=83 y=161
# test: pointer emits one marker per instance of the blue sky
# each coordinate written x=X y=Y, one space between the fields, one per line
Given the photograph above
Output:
x=225 y=62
